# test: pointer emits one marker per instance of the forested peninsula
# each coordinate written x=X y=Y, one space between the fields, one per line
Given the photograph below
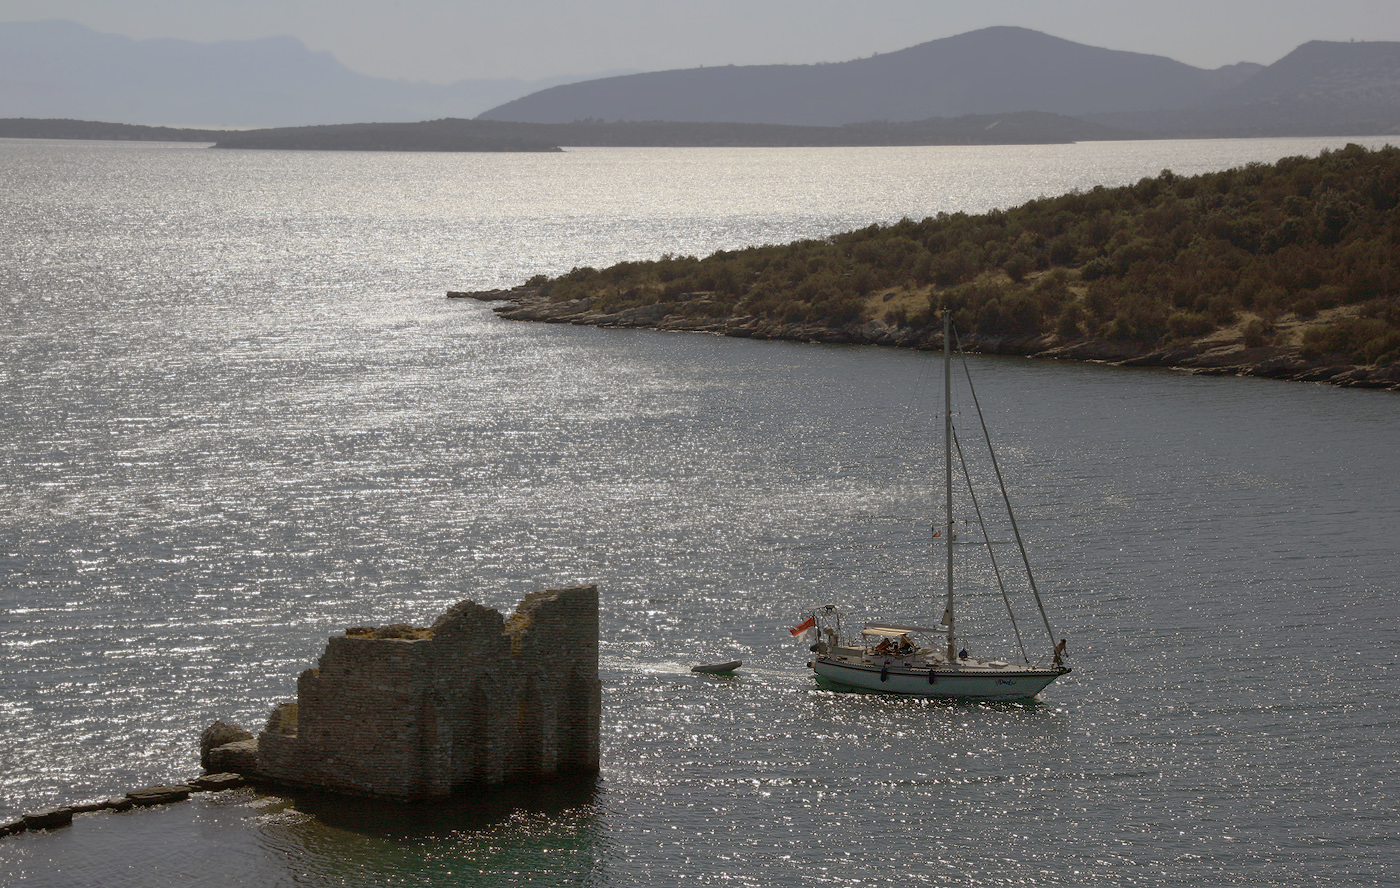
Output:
x=1286 y=271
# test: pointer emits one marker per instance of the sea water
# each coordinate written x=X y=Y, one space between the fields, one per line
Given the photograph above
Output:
x=239 y=416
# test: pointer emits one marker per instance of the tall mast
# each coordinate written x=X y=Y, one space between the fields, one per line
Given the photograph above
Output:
x=948 y=474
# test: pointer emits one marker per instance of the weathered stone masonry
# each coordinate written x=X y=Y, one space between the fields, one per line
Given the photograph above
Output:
x=476 y=700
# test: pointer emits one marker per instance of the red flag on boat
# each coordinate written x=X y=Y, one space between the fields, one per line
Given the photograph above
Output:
x=803 y=626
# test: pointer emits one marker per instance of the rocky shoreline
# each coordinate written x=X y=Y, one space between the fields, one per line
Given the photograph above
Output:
x=1216 y=355
x=222 y=756
x=164 y=794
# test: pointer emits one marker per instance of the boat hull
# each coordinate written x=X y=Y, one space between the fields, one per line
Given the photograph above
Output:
x=949 y=682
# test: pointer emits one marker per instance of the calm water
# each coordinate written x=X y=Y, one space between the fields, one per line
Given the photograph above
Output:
x=239 y=416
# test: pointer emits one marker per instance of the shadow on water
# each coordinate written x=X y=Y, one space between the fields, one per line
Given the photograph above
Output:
x=522 y=834
x=525 y=834
x=468 y=811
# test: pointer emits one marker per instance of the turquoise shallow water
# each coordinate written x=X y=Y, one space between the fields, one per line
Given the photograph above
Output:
x=240 y=416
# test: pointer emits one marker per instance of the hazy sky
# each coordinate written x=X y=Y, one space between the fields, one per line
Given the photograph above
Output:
x=447 y=40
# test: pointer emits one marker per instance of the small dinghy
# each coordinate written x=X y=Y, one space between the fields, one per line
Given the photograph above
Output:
x=718 y=668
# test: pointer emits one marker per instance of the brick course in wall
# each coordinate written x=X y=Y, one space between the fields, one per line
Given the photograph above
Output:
x=477 y=700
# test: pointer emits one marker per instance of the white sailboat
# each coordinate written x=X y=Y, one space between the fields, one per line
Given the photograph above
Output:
x=921 y=661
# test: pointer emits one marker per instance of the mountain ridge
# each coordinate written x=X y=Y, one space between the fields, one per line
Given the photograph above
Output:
x=1324 y=70
x=1320 y=88
x=60 y=69
x=992 y=70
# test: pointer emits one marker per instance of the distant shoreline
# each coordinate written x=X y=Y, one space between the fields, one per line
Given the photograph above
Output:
x=92 y=130
x=461 y=135
x=1221 y=354
x=456 y=134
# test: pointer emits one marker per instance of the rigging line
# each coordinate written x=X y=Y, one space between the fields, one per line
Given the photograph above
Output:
x=991 y=556
x=996 y=467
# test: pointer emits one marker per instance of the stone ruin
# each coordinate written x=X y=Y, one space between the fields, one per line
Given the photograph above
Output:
x=409 y=714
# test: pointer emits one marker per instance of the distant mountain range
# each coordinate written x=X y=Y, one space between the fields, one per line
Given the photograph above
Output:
x=1318 y=88
x=58 y=69
x=956 y=90
x=991 y=71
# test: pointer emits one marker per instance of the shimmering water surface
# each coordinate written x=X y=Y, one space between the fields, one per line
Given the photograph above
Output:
x=240 y=416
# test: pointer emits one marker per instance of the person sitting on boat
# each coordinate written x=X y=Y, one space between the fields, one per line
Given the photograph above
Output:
x=906 y=645
x=1060 y=652
x=885 y=648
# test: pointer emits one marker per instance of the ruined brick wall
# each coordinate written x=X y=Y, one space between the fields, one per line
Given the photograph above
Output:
x=480 y=700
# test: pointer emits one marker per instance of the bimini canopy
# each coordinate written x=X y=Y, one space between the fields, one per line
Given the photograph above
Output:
x=881 y=630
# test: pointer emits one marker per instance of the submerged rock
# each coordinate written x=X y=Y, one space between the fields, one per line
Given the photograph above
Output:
x=50 y=819
x=218 y=782
x=159 y=795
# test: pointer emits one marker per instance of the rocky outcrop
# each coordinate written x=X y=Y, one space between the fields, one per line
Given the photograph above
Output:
x=216 y=735
x=1236 y=359
x=526 y=303
x=238 y=757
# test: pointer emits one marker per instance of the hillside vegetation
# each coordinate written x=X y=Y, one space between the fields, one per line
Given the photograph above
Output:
x=1279 y=269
